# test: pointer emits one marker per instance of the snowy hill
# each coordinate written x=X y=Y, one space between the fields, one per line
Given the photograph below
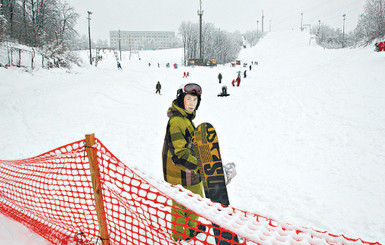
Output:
x=306 y=128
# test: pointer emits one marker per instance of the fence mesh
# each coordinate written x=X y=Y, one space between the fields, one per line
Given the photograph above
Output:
x=52 y=195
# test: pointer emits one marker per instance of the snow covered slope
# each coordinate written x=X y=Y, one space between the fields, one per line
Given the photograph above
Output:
x=306 y=128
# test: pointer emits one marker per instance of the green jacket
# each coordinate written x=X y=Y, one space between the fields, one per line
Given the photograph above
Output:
x=179 y=163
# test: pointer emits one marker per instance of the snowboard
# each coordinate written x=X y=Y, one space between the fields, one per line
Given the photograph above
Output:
x=206 y=149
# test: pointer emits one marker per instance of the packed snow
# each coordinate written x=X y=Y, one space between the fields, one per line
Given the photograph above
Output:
x=306 y=128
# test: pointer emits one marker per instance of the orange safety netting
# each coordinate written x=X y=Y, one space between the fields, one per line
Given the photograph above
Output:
x=52 y=195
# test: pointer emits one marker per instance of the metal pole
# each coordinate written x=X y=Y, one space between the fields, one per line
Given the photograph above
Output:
x=257 y=26
x=120 y=50
x=319 y=27
x=343 y=31
x=89 y=35
x=270 y=26
x=262 y=20
x=301 y=21
x=200 y=13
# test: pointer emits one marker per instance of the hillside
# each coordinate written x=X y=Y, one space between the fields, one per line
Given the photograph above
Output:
x=306 y=128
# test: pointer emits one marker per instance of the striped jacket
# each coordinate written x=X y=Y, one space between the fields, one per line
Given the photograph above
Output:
x=179 y=163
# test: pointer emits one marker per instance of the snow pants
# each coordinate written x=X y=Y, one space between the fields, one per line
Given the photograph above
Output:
x=182 y=218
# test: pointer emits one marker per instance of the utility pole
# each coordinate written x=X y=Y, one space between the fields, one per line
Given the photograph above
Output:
x=120 y=49
x=262 y=20
x=301 y=21
x=89 y=34
x=343 y=31
x=200 y=13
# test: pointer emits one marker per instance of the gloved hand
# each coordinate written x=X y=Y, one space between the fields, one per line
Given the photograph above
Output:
x=230 y=172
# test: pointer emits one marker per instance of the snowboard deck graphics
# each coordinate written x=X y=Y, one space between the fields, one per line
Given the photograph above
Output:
x=206 y=150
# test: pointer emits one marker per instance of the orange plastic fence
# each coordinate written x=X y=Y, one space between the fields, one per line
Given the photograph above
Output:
x=52 y=195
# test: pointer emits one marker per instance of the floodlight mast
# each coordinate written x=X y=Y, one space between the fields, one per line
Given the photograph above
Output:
x=200 y=13
x=89 y=34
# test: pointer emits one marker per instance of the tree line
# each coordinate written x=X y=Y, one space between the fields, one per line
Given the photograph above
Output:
x=47 y=25
x=370 y=27
x=217 y=44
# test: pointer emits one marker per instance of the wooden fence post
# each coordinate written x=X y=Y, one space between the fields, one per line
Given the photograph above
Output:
x=95 y=176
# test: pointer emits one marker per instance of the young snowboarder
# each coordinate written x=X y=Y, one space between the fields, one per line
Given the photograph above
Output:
x=158 y=87
x=180 y=166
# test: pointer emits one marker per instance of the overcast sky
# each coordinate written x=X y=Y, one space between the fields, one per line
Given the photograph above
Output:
x=229 y=15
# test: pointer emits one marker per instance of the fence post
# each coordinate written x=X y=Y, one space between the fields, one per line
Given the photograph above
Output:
x=95 y=176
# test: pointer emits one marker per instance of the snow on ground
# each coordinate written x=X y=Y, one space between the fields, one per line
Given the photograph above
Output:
x=306 y=128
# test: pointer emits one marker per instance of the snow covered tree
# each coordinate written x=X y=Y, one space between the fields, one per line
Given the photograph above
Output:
x=252 y=37
x=3 y=21
x=371 y=25
x=217 y=44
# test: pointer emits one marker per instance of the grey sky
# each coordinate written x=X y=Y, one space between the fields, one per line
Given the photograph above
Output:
x=230 y=15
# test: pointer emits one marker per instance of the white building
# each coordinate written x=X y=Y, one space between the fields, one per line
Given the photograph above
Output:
x=142 y=40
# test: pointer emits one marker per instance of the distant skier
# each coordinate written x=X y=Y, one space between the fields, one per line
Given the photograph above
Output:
x=158 y=87
x=184 y=75
x=250 y=67
x=220 y=77
x=119 y=66
x=244 y=74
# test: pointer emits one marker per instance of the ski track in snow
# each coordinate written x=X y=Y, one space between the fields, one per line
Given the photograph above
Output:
x=306 y=128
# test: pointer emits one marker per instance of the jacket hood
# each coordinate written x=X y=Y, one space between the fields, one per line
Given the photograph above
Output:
x=175 y=110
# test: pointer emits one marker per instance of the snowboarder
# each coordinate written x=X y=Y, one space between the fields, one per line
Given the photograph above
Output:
x=224 y=92
x=158 y=87
x=220 y=77
x=180 y=166
x=244 y=74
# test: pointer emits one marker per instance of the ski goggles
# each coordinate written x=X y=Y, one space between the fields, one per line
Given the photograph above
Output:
x=192 y=88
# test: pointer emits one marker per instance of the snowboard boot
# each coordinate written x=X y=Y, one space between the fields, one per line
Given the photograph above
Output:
x=201 y=229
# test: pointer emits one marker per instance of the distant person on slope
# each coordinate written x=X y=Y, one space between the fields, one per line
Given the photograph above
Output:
x=220 y=77
x=158 y=87
x=238 y=80
x=180 y=166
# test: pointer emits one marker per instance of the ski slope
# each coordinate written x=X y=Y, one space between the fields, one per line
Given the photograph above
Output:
x=306 y=128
